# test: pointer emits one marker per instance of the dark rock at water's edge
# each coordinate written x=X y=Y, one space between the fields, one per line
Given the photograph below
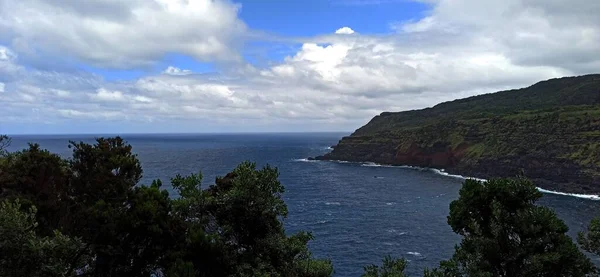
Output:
x=550 y=132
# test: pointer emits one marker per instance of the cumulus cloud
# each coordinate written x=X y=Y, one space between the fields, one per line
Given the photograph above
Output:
x=344 y=31
x=331 y=82
x=122 y=34
x=171 y=70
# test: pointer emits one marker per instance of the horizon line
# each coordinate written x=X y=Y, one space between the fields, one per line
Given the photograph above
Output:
x=174 y=133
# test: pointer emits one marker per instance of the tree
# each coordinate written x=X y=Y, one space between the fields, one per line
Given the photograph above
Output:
x=39 y=178
x=130 y=229
x=232 y=228
x=390 y=268
x=237 y=229
x=506 y=234
x=24 y=253
x=4 y=143
x=590 y=241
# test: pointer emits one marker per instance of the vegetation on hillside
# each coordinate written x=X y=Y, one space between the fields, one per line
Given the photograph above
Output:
x=549 y=131
x=88 y=216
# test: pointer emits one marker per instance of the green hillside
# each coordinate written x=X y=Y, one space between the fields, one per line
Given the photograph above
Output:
x=549 y=131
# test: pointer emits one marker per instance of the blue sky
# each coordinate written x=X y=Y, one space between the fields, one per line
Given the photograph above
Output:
x=290 y=19
x=161 y=66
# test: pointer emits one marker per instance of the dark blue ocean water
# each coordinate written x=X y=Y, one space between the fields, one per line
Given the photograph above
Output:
x=357 y=213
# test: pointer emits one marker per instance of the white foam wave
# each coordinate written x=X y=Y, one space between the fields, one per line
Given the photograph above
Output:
x=394 y=231
x=414 y=253
x=342 y=162
x=443 y=173
x=332 y=203
x=585 y=196
x=371 y=164
x=305 y=160
x=390 y=203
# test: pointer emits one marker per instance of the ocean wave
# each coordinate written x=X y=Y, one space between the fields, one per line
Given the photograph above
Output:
x=305 y=160
x=332 y=203
x=414 y=253
x=371 y=164
x=390 y=203
x=444 y=173
x=394 y=231
x=585 y=196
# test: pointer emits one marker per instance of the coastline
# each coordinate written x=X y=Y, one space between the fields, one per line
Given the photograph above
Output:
x=444 y=173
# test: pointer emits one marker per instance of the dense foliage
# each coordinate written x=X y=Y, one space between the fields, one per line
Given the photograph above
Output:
x=89 y=216
x=390 y=268
x=24 y=253
x=505 y=234
x=590 y=241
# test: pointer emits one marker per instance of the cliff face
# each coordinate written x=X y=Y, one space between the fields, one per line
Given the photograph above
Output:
x=550 y=132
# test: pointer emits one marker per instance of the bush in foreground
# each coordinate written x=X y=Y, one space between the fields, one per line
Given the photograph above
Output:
x=93 y=218
x=506 y=234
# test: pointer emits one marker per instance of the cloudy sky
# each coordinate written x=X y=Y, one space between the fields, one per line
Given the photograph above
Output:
x=148 y=66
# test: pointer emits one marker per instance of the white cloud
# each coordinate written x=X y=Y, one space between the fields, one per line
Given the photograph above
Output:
x=60 y=93
x=171 y=70
x=107 y=95
x=6 y=54
x=344 y=31
x=123 y=34
x=143 y=99
x=332 y=82
x=2 y=86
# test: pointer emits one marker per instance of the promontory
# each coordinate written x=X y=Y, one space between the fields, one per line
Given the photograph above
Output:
x=548 y=132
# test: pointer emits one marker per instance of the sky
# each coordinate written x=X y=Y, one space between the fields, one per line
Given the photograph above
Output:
x=196 y=66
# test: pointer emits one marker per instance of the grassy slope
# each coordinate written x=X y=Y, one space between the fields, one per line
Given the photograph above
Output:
x=554 y=123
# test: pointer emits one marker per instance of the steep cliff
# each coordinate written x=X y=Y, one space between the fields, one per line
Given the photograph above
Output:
x=549 y=131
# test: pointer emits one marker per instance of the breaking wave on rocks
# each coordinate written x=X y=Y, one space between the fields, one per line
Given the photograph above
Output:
x=304 y=160
x=444 y=173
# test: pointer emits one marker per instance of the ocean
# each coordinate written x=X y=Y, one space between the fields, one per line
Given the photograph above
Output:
x=358 y=213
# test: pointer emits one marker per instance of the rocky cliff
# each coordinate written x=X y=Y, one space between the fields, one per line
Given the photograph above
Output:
x=550 y=132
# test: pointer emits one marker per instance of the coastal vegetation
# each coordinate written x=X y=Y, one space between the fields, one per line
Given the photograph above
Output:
x=548 y=132
x=90 y=216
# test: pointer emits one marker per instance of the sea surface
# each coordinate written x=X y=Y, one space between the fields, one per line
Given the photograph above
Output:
x=358 y=213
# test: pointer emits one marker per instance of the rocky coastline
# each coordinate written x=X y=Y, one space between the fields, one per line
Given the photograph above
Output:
x=548 y=132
